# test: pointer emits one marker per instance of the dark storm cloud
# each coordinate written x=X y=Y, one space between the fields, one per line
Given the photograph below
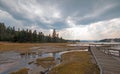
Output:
x=13 y=9
x=22 y=10
x=86 y=12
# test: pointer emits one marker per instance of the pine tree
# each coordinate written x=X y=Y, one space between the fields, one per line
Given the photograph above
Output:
x=10 y=34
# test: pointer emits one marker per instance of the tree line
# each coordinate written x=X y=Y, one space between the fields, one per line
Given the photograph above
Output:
x=12 y=35
x=110 y=40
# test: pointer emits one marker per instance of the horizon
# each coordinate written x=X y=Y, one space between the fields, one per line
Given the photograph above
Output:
x=73 y=20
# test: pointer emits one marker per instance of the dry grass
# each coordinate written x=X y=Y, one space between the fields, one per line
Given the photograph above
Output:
x=21 y=71
x=45 y=62
x=76 y=63
x=6 y=46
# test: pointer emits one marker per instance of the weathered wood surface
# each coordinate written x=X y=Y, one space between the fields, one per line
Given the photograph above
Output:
x=107 y=64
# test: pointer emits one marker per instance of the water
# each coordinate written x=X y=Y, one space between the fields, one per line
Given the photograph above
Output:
x=13 y=61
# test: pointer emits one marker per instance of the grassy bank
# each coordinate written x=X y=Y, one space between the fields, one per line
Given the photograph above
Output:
x=76 y=63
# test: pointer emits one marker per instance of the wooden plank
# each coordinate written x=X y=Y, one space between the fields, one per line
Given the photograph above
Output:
x=108 y=64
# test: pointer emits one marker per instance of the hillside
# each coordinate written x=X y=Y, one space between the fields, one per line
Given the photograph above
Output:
x=111 y=40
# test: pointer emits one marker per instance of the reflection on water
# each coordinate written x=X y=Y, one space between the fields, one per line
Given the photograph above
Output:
x=13 y=61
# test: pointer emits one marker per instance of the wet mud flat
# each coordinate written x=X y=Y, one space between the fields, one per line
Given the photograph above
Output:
x=11 y=61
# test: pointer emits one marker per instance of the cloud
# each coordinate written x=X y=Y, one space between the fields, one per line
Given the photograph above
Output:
x=93 y=31
x=9 y=20
x=97 y=11
x=74 y=19
x=31 y=11
x=95 y=14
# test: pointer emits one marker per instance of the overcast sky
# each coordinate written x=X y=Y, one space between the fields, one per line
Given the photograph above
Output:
x=73 y=19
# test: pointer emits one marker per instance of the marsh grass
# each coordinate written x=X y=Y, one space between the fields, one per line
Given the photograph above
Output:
x=76 y=63
x=45 y=62
x=25 y=47
x=21 y=71
x=16 y=46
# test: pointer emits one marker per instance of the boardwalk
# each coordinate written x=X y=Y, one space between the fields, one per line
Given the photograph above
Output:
x=107 y=64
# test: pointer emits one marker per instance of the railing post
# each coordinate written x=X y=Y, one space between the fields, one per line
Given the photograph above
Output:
x=89 y=48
